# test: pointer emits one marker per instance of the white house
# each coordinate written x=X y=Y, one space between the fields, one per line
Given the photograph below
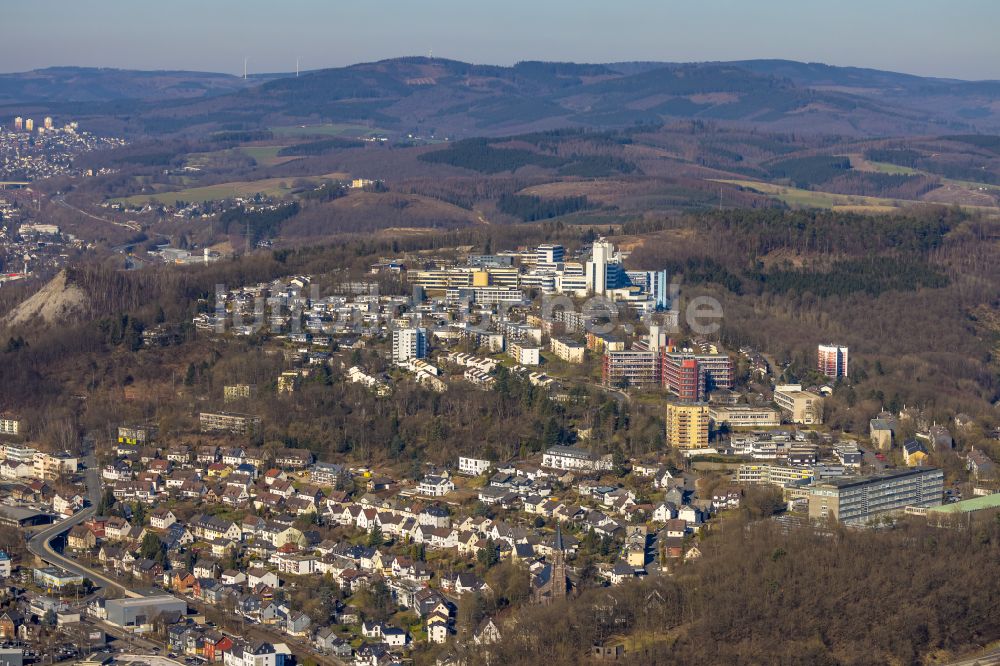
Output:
x=664 y=511
x=257 y=577
x=690 y=515
x=162 y=518
x=473 y=466
x=435 y=486
x=258 y=654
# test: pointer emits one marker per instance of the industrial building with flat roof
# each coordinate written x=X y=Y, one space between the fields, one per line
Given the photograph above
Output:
x=743 y=416
x=138 y=614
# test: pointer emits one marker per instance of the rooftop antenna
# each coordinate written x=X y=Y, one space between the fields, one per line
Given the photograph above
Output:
x=244 y=69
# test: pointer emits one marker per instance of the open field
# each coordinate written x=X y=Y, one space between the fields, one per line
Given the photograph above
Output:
x=794 y=196
x=275 y=187
x=263 y=155
x=267 y=155
x=861 y=164
x=328 y=129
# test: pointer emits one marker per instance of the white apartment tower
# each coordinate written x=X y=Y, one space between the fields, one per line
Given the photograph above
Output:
x=409 y=343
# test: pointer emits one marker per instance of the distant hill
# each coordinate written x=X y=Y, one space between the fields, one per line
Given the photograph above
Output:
x=91 y=84
x=947 y=100
x=425 y=97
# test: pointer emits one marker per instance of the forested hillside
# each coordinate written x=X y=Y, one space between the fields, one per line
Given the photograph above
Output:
x=759 y=595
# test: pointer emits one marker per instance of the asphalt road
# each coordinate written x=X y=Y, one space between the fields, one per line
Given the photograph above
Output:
x=61 y=201
x=991 y=658
x=40 y=544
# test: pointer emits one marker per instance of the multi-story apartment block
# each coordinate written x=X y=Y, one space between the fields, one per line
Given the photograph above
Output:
x=800 y=406
x=235 y=392
x=858 y=499
x=473 y=466
x=684 y=378
x=326 y=474
x=573 y=458
x=10 y=425
x=136 y=435
x=238 y=424
x=18 y=453
x=631 y=368
x=49 y=467
x=716 y=368
x=687 y=425
x=567 y=350
x=832 y=360
x=602 y=342
x=524 y=354
x=688 y=375
x=572 y=320
x=513 y=330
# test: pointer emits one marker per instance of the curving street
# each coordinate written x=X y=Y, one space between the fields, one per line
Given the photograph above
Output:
x=40 y=544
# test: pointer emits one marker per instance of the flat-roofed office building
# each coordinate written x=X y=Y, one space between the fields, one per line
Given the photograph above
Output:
x=857 y=499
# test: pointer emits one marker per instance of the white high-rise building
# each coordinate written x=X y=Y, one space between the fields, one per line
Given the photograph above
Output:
x=408 y=343
x=597 y=267
x=657 y=337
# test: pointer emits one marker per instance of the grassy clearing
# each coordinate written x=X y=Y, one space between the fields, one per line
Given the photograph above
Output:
x=266 y=155
x=328 y=129
x=263 y=155
x=858 y=162
x=275 y=187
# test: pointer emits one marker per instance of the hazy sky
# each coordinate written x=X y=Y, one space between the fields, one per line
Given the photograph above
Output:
x=932 y=37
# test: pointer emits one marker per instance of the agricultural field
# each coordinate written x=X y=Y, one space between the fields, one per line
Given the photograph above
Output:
x=328 y=129
x=799 y=198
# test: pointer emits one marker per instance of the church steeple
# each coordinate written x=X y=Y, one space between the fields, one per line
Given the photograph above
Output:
x=559 y=579
x=553 y=583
